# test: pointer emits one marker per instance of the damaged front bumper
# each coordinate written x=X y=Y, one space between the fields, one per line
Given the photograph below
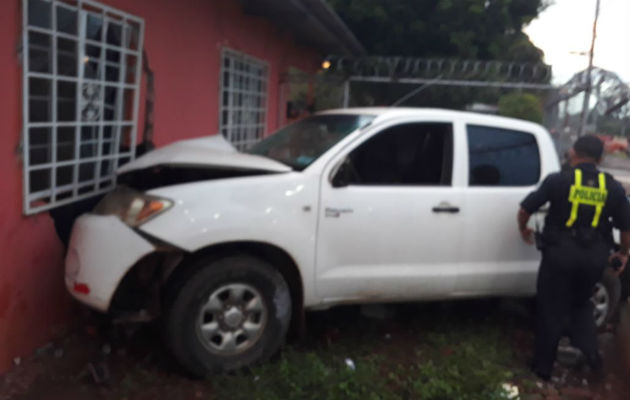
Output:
x=101 y=251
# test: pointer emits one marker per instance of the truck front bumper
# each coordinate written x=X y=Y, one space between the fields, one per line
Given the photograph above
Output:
x=102 y=249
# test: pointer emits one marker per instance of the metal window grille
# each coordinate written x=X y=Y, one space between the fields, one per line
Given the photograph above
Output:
x=81 y=78
x=243 y=101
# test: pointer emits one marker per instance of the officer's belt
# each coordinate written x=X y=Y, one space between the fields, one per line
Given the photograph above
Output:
x=581 y=234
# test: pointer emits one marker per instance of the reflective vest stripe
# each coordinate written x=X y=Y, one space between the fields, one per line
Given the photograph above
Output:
x=576 y=205
x=600 y=207
x=585 y=195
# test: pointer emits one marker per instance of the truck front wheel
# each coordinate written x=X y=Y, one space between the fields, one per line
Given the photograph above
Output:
x=233 y=312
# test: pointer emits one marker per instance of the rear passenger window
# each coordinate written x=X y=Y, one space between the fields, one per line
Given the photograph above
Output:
x=502 y=157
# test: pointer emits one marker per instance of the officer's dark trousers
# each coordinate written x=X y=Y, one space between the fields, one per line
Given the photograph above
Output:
x=568 y=273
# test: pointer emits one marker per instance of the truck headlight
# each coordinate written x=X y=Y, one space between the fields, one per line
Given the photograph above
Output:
x=132 y=207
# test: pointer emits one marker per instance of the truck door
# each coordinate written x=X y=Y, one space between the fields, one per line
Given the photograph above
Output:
x=504 y=165
x=389 y=225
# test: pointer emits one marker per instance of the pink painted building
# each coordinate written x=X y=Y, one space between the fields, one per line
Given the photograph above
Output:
x=83 y=82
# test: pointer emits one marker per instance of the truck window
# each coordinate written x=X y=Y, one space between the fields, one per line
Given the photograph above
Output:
x=406 y=154
x=502 y=157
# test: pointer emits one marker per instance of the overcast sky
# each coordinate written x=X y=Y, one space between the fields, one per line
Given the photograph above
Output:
x=566 y=27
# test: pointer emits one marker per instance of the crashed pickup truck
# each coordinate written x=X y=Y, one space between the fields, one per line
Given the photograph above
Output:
x=371 y=205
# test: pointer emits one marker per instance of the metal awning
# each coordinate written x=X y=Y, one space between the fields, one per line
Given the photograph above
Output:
x=312 y=22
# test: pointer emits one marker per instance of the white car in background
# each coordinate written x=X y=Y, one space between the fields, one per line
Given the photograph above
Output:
x=348 y=206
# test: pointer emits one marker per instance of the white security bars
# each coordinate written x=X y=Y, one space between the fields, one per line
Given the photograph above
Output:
x=243 y=101
x=81 y=77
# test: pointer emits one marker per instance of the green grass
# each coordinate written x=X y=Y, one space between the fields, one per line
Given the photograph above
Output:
x=464 y=361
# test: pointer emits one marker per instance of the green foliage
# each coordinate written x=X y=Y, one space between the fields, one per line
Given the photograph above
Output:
x=455 y=29
x=480 y=29
x=473 y=368
x=306 y=376
x=463 y=362
x=521 y=105
x=609 y=125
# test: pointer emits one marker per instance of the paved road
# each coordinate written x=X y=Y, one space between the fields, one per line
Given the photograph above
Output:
x=622 y=176
x=619 y=168
x=617 y=162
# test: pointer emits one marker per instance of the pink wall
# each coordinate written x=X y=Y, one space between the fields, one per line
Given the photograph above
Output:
x=183 y=40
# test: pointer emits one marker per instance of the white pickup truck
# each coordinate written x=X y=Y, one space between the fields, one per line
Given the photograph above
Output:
x=348 y=206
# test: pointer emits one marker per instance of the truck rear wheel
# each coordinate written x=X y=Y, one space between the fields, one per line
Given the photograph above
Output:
x=231 y=313
x=625 y=283
x=606 y=297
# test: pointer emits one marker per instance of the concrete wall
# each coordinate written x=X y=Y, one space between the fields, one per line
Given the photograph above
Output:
x=183 y=40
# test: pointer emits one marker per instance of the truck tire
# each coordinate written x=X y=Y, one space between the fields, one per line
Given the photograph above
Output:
x=231 y=313
x=606 y=297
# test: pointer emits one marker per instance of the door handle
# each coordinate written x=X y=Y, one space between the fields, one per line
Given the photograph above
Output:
x=446 y=208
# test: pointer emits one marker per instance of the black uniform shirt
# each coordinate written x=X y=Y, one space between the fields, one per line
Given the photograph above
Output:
x=556 y=188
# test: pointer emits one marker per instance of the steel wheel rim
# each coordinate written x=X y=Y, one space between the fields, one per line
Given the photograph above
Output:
x=232 y=319
x=601 y=303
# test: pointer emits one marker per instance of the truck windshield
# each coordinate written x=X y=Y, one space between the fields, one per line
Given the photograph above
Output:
x=300 y=144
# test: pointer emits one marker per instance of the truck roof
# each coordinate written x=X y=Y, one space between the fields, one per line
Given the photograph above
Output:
x=383 y=113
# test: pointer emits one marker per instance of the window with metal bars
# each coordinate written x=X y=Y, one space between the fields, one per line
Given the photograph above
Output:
x=81 y=79
x=243 y=102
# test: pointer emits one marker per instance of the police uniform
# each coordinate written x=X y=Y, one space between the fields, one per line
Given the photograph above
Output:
x=585 y=204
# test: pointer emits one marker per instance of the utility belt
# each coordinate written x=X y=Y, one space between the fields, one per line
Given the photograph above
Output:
x=582 y=236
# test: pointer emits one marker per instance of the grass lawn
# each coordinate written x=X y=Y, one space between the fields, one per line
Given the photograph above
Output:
x=463 y=350
x=468 y=358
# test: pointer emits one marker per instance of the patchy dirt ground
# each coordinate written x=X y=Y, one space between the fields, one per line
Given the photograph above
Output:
x=95 y=363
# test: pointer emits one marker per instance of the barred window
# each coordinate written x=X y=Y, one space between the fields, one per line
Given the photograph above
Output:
x=81 y=72
x=243 y=98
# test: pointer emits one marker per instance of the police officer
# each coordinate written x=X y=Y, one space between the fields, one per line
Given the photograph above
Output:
x=585 y=204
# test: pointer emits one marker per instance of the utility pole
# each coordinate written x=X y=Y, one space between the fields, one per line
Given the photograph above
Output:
x=589 y=83
x=346 y=93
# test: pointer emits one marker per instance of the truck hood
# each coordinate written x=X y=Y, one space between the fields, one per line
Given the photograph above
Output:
x=206 y=152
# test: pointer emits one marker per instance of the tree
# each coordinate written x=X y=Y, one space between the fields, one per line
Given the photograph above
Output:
x=475 y=29
x=521 y=105
x=453 y=29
